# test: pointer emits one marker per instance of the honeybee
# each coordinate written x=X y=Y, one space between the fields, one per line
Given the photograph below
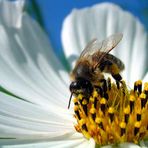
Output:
x=94 y=61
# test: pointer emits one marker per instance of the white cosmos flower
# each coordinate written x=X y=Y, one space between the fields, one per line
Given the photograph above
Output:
x=31 y=71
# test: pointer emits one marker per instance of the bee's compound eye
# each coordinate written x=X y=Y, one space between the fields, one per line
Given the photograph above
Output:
x=87 y=86
x=84 y=83
x=74 y=86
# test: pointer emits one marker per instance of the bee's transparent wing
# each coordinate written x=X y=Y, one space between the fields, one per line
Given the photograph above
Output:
x=104 y=46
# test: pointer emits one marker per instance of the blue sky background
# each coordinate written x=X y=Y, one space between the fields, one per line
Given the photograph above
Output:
x=53 y=13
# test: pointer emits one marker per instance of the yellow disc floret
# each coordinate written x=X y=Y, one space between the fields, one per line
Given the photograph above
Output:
x=115 y=115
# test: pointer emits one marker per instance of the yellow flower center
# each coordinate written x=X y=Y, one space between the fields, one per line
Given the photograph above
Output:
x=113 y=114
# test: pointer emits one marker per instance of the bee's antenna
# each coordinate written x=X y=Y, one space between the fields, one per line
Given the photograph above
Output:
x=70 y=100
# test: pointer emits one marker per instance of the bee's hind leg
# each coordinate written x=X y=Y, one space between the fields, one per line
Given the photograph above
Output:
x=118 y=79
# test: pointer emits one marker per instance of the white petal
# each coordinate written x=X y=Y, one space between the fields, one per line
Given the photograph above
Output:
x=139 y=62
x=87 y=144
x=11 y=12
x=21 y=118
x=30 y=70
x=28 y=64
x=66 y=141
x=100 y=21
x=129 y=145
x=145 y=79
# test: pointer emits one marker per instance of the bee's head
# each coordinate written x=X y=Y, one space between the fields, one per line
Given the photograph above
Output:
x=82 y=86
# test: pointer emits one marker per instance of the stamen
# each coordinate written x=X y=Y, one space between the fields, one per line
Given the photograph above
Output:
x=99 y=123
x=126 y=114
x=143 y=100
x=84 y=127
x=99 y=90
x=132 y=100
x=119 y=117
x=139 y=85
x=111 y=113
x=135 y=86
x=103 y=104
x=95 y=95
x=137 y=127
x=138 y=117
x=146 y=88
x=76 y=110
x=84 y=105
x=123 y=128
x=93 y=113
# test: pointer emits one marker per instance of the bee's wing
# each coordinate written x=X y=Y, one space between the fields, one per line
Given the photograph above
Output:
x=90 y=48
x=105 y=46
